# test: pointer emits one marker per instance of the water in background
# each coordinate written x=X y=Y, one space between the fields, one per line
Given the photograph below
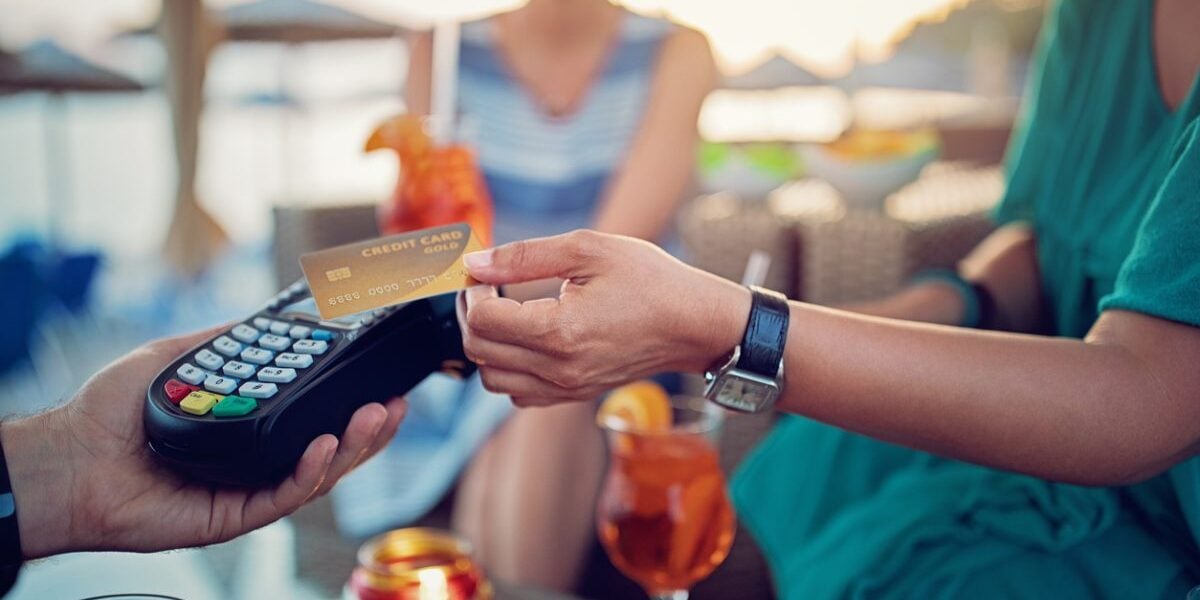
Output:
x=263 y=142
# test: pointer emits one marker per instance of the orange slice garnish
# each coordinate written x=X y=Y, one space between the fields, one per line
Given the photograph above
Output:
x=403 y=133
x=638 y=406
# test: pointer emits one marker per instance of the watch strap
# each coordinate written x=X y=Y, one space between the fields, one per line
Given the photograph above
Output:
x=987 y=307
x=766 y=333
x=10 y=534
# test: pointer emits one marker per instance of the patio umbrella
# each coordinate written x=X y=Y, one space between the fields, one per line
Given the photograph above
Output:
x=930 y=58
x=295 y=22
x=47 y=67
x=775 y=72
x=189 y=33
x=912 y=69
x=300 y=21
x=942 y=55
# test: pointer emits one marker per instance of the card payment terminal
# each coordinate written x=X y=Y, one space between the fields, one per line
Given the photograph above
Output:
x=241 y=408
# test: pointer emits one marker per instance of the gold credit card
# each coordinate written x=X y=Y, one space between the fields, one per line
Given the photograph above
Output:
x=389 y=270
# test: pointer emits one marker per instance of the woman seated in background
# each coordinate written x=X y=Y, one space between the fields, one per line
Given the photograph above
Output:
x=1057 y=459
x=583 y=114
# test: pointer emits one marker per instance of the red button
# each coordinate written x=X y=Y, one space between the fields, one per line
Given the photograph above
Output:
x=176 y=390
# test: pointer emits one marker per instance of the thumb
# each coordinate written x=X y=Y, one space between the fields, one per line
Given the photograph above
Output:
x=566 y=256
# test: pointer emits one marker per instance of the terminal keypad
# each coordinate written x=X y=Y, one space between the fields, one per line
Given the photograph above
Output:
x=244 y=368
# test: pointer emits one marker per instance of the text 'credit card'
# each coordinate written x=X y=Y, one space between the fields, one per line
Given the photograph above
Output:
x=389 y=270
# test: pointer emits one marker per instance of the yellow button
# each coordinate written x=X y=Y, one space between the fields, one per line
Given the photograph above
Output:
x=199 y=403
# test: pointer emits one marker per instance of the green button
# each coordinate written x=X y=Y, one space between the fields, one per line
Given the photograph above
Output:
x=234 y=406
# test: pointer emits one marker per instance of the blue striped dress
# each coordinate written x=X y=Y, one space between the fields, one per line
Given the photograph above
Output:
x=546 y=175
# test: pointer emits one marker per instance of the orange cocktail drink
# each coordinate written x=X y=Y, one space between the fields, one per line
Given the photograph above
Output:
x=439 y=184
x=663 y=516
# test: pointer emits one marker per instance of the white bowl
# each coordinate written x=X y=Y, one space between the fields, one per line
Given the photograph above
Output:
x=741 y=179
x=749 y=171
x=866 y=183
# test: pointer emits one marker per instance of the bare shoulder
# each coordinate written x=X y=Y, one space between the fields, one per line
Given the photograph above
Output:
x=687 y=56
x=687 y=45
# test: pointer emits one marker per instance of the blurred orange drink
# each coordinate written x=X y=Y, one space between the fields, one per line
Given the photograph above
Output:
x=438 y=184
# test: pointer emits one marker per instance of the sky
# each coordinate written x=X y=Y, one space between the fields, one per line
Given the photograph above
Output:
x=816 y=33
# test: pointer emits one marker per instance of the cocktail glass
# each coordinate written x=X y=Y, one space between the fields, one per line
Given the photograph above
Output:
x=664 y=517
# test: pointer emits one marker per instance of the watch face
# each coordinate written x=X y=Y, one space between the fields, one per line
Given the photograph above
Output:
x=740 y=393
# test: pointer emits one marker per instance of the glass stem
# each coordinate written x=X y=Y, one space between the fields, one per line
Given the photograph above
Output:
x=675 y=595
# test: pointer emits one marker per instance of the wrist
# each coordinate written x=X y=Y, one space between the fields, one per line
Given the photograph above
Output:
x=716 y=325
x=972 y=303
x=933 y=301
x=37 y=471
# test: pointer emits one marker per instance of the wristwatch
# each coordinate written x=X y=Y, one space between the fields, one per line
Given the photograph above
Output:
x=751 y=377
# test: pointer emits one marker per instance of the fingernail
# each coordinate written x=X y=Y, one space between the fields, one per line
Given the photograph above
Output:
x=330 y=452
x=479 y=260
x=382 y=421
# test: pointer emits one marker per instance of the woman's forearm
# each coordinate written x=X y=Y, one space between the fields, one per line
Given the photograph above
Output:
x=649 y=185
x=1004 y=264
x=1085 y=412
x=929 y=302
x=643 y=197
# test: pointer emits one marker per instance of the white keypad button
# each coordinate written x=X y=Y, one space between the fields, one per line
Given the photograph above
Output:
x=276 y=374
x=194 y=376
x=227 y=346
x=208 y=359
x=262 y=323
x=220 y=385
x=280 y=328
x=237 y=369
x=299 y=332
x=274 y=342
x=310 y=347
x=294 y=361
x=244 y=333
x=257 y=356
x=255 y=389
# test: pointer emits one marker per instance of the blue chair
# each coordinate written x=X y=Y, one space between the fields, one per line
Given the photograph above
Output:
x=70 y=279
x=22 y=304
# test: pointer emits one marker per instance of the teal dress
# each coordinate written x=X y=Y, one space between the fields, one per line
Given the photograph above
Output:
x=1109 y=177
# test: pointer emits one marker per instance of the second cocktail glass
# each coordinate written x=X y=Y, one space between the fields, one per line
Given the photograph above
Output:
x=664 y=517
